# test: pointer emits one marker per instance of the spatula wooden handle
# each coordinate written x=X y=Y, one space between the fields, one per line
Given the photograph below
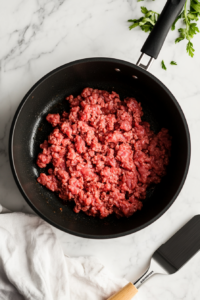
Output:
x=126 y=293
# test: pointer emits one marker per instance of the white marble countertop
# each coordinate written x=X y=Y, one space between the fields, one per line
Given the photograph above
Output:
x=37 y=36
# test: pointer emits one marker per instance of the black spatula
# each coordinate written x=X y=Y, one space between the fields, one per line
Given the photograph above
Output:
x=169 y=258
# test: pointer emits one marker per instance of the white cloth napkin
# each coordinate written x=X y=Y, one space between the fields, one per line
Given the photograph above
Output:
x=34 y=267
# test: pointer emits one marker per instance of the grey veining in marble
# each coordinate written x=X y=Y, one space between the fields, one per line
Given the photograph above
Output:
x=37 y=36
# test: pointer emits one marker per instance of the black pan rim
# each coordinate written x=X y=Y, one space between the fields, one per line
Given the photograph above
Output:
x=12 y=130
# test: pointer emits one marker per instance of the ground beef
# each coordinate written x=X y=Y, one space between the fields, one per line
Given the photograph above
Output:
x=103 y=156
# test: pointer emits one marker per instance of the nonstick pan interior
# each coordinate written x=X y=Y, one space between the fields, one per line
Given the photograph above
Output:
x=30 y=129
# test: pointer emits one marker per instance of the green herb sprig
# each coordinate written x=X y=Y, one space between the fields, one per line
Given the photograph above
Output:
x=147 y=22
x=190 y=27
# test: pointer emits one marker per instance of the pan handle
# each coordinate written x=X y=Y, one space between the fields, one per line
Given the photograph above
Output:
x=156 y=38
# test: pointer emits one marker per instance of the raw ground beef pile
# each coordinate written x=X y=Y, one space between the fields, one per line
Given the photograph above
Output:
x=103 y=157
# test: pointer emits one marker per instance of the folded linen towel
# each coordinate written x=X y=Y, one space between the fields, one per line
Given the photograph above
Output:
x=34 y=267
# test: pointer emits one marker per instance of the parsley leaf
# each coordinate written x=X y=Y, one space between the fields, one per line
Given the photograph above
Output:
x=173 y=63
x=190 y=49
x=163 y=65
x=144 y=10
x=147 y=22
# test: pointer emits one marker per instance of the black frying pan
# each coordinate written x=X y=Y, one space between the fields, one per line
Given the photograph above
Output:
x=29 y=129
